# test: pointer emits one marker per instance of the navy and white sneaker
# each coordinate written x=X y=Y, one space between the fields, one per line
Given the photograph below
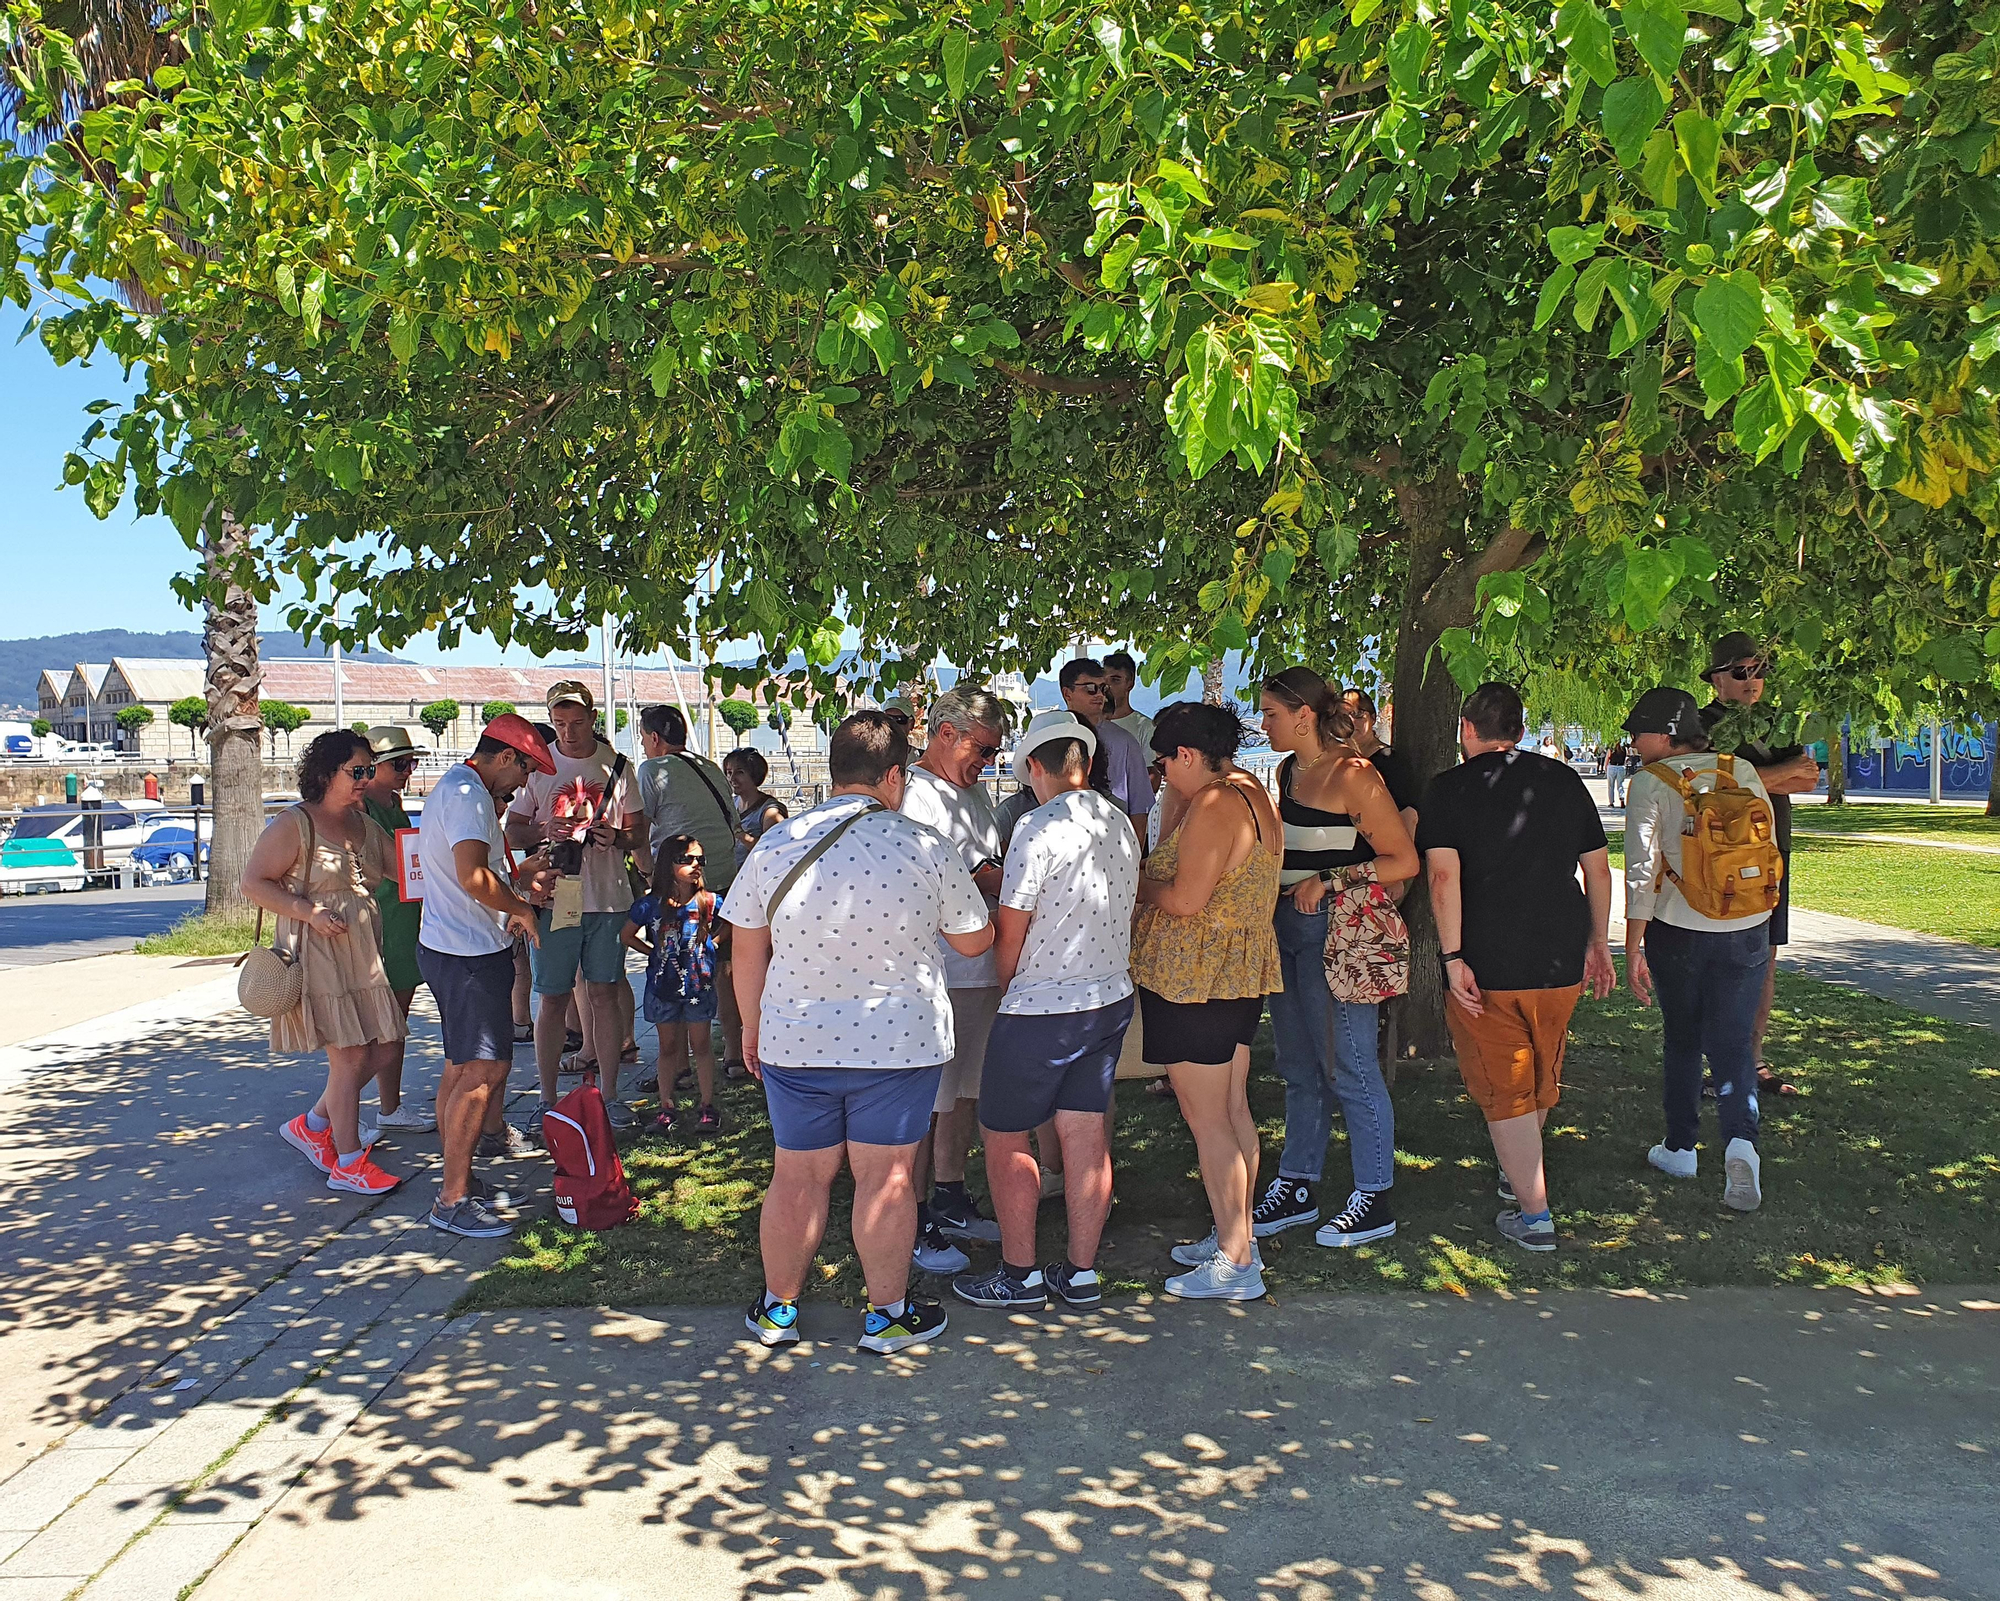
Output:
x=620 y=1116
x=958 y=1217
x=1074 y=1286
x=773 y=1322
x=1001 y=1290
x=1287 y=1204
x=1365 y=1218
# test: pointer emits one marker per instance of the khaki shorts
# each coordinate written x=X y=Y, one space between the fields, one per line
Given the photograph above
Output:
x=1511 y=1056
x=972 y=1014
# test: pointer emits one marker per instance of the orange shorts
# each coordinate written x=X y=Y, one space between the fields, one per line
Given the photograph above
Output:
x=1511 y=1055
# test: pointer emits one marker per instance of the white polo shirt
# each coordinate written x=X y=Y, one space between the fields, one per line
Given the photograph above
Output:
x=1074 y=866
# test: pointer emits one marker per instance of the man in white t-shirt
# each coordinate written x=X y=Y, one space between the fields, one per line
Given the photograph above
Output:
x=836 y=917
x=465 y=949
x=945 y=792
x=580 y=928
x=1121 y=676
x=1064 y=948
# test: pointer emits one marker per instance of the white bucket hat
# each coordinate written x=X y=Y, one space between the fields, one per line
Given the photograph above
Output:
x=1047 y=727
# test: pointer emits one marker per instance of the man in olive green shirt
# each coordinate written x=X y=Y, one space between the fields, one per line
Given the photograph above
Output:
x=382 y=798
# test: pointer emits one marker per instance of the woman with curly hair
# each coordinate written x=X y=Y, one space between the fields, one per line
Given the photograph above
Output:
x=316 y=867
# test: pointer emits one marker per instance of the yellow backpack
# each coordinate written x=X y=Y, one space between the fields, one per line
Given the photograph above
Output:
x=1730 y=865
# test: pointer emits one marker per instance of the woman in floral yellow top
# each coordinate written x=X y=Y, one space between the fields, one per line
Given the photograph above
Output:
x=1204 y=956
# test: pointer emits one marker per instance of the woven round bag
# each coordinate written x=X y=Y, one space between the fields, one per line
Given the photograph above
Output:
x=269 y=980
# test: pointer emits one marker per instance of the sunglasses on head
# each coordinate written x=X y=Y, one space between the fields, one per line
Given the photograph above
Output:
x=361 y=772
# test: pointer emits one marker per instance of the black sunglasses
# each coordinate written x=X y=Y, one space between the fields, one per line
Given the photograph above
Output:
x=1741 y=672
x=689 y=861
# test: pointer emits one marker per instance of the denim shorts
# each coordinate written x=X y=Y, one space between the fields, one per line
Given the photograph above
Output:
x=681 y=1008
x=815 y=1108
x=1037 y=1066
x=475 y=1002
x=592 y=947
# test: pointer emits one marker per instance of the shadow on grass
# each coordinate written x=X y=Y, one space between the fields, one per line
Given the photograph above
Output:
x=1884 y=1171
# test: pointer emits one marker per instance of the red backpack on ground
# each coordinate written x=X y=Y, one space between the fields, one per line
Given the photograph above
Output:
x=591 y=1191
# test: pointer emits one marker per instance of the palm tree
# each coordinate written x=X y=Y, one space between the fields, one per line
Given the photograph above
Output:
x=118 y=40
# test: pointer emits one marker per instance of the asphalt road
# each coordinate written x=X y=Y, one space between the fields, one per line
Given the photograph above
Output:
x=55 y=928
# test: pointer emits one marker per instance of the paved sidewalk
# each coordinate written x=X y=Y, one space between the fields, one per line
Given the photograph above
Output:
x=1719 y=1444
x=54 y=997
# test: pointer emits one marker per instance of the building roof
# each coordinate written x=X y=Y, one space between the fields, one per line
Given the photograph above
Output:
x=92 y=676
x=167 y=678
x=55 y=681
x=310 y=681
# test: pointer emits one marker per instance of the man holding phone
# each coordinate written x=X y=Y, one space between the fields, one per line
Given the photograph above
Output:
x=586 y=812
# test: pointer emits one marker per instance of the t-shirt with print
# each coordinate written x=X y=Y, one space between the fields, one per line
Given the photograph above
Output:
x=1125 y=763
x=1520 y=823
x=1073 y=865
x=855 y=977
x=682 y=965
x=459 y=809
x=561 y=806
x=676 y=801
x=965 y=817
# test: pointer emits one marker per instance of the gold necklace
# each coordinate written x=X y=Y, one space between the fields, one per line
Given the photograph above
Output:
x=1307 y=767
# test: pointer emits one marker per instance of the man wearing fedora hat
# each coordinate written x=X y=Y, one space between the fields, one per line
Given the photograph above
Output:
x=1064 y=938
x=1736 y=669
x=382 y=798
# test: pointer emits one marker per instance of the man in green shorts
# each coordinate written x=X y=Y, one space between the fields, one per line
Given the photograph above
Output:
x=395 y=760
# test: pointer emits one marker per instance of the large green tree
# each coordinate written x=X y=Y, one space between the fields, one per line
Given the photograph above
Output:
x=1442 y=336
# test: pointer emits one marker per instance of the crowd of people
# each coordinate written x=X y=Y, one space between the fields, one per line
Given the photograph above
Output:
x=909 y=970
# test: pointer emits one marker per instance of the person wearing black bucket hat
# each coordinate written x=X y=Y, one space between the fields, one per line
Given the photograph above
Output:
x=1736 y=669
x=1705 y=965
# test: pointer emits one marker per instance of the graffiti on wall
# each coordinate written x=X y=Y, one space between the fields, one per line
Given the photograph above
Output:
x=1903 y=764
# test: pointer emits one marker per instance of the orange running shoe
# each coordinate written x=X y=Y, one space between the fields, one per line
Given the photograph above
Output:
x=363 y=1178
x=316 y=1148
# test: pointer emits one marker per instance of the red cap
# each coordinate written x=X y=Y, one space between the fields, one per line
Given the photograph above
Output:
x=514 y=730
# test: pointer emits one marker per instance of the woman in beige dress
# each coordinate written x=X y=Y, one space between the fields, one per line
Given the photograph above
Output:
x=316 y=867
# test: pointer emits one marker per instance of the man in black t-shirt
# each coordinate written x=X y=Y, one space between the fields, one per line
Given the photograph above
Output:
x=1502 y=836
x=1396 y=775
x=1736 y=674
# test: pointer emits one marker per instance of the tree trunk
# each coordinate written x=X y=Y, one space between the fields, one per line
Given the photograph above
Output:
x=1438 y=594
x=1992 y=771
x=236 y=769
x=1211 y=683
x=1836 y=767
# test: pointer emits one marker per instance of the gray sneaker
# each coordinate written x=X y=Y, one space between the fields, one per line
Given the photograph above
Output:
x=1202 y=1249
x=509 y=1141
x=1218 y=1279
x=472 y=1218
x=1529 y=1236
x=620 y=1116
x=1507 y=1189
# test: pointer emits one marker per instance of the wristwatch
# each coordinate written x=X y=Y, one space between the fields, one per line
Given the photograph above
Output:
x=1446 y=958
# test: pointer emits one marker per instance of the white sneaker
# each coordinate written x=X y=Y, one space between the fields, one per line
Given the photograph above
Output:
x=1742 y=1171
x=936 y=1254
x=1202 y=1249
x=407 y=1118
x=1677 y=1164
x=368 y=1133
x=1219 y=1279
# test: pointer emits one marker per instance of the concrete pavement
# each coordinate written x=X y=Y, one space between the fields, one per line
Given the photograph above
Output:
x=1722 y=1444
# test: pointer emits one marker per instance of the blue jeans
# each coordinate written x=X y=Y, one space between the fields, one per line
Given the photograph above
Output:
x=1708 y=986
x=1614 y=785
x=1303 y=1020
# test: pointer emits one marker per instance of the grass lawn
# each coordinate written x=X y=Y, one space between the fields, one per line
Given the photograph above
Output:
x=1958 y=824
x=198 y=934
x=1952 y=893
x=1886 y=1170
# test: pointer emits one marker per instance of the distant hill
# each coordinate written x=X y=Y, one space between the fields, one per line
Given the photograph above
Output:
x=22 y=660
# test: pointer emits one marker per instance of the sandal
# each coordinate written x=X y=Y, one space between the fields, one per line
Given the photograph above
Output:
x=663 y=1121
x=1162 y=1089
x=1768 y=1083
x=524 y=1033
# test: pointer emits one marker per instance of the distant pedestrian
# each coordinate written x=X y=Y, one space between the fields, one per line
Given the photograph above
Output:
x=1503 y=837
x=1204 y=957
x=746 y=769
x=1396 y=773
x=1706 y=961
x=1121 y=677
x=395 y=755
x=836 y=919
x=474 y=910
x=1119 y=768
x=316 y=867
x=1342 y=828
x=1736 y=673
x=1616 y=761
x=1064 y=951
x=675 y=927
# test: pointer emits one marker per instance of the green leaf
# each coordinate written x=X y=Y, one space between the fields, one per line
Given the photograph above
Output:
x=403 y=334
x=1658 y=29
x=1571 y=245
x=953 y=52
x=1277 y=565
x=1846 y=326
x=1552 y=294
x=1632 y=110
x=1337 y=548
x=1409 y=50
x=342 y=463
x=1111 y=34
x=1721 y=376
x=1222 y=238
x=1650 y=576
x=1212 y=595
x=1700 y=142
x=1843 y=203
x=1230 y=633
x=1590 y=290
x=833 y=451
x=1730 y=312
x=103 y=487
x=1955 y=658
x=1584 y=32
x=1761 y=422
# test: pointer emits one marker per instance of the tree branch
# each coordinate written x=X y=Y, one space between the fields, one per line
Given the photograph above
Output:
x=1076 y=388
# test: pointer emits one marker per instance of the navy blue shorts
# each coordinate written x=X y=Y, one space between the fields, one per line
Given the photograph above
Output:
x=475 y=1002
x=662 y=1008
x=1037 y=1066
x=814 y=1108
